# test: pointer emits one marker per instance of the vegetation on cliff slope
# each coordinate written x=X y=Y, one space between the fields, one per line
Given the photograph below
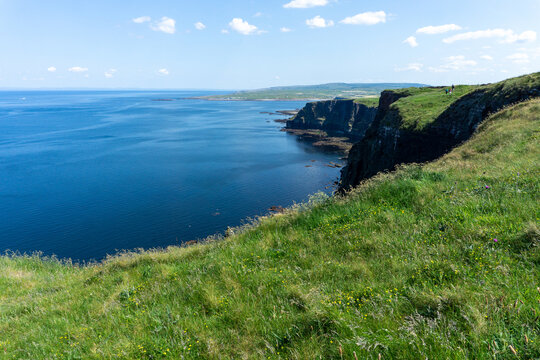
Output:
x=440 y=261
x=421 y=106
x=368 y=101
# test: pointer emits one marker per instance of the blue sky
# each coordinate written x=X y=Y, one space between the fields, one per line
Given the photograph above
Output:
x=241 y=44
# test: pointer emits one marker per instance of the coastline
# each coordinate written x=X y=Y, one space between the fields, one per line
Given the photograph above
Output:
x=384 y=245
x=321 y=139
x=266 y=100
x=170 y=179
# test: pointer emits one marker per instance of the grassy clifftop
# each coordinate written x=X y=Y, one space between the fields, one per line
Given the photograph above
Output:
x=435 y=261
x=419 y=107
x=369 y=102
x=422 y=106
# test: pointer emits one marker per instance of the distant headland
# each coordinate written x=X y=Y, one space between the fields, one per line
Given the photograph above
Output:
x=312 y=92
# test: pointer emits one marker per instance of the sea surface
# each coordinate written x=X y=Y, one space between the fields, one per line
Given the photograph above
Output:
x=84 y=174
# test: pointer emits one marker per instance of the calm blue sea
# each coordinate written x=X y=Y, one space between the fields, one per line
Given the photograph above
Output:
x=86 y=173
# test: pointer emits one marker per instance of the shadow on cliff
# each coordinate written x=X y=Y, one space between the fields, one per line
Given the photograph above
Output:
x=387 y=143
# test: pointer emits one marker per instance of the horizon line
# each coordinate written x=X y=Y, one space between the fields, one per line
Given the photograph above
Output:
x=194 y=89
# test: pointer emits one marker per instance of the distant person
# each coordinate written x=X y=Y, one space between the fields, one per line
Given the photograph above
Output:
x=453 y=87
x=446 y=91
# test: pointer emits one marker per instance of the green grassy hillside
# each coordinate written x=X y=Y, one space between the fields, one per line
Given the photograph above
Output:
x=312 y=92
x=440 y=261
x=421 y=106
x=368 y=101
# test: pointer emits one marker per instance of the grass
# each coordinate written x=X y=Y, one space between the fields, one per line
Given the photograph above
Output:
x=369 y=101
x=312 y=92
x=439 y=261
x=421 y=106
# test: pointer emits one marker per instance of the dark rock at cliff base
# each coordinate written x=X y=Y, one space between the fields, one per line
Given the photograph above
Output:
x=321 y=139
x=388 y=142
x=334 y=165
x=344 y=117
x=277 y=209
x=287 y=112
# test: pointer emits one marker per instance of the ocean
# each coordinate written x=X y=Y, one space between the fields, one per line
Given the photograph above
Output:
x=84 y=174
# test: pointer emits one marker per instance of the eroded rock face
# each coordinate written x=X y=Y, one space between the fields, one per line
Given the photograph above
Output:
x=387 y=144
x=335 y=116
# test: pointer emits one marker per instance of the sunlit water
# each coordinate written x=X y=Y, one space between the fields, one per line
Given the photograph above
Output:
x=83 y=174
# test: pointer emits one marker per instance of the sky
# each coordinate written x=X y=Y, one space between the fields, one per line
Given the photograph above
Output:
x=247 y=44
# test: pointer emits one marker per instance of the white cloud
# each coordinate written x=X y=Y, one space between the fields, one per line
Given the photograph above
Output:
x=411 y=40
x=285 y=30
x=77 y=69
x=527 y=36
x=224 y=31
x=303 y=4
x=367 y=18
x=110 y=73
x=506 y=36
x=437 y=69
x=411 y=67
x=166 y=25
x=51 y=69
x=258 y=14
x=242 y=27
x=441 y=29
x=163 y=72
x=486 y=57
x=454 y=63
x=460 y=60
x=533 y=52
x=200 y=26
x=319 y=22
x=141 y=19
x=519 y=58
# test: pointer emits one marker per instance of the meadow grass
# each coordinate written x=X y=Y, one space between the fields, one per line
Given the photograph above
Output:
x=424 y=105
x=436 y=261
x=368 y=101
x=420 y=106
x=311 y=92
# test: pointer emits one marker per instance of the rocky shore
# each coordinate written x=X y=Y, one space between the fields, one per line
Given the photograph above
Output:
x=333 y=125
x=321 y=139
x=390 y=140
x=378 y=138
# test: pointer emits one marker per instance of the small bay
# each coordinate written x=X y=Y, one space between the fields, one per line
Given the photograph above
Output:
x=84 y=174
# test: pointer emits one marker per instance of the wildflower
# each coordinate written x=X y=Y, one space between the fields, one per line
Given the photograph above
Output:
x=496 y=240
x=488 y=187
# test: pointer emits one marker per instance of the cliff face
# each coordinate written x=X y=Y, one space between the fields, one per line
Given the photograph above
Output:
x=388 y=142
x=335 y=116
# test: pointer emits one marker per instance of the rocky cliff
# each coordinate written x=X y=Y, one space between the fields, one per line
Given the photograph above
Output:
x=390 y=140
x=344 y=117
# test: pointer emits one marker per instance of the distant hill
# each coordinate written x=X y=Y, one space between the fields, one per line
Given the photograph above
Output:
x=433 y=261
x=313 y=92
